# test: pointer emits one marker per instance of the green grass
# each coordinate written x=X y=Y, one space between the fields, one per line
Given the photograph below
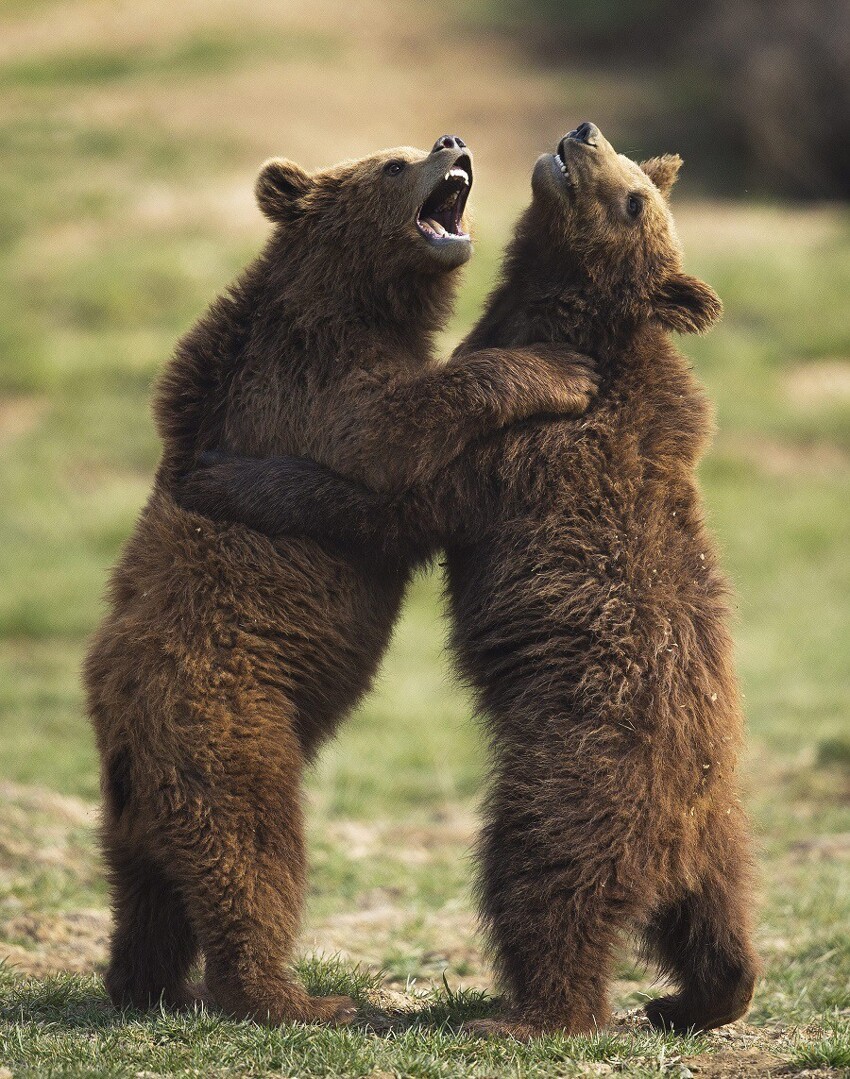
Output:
x=202 y=54
x=93 y=292
x=830 y=1051
x=65 y=1026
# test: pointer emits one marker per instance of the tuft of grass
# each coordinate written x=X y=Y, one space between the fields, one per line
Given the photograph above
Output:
x=333 y=976
x=830 y=1050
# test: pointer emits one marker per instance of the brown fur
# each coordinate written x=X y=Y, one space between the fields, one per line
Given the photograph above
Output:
x=590 y=617
x=226 y=658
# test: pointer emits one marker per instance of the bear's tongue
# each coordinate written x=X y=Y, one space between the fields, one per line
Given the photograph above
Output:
x=442 y=210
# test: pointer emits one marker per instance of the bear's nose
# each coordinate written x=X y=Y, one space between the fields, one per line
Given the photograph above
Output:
x=586 y=132
x=448 y=142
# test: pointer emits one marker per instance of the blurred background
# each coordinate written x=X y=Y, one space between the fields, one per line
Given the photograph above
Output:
x=131 y=134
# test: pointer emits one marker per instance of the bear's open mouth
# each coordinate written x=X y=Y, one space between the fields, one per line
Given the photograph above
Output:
x=440 y=215
x=562 y=165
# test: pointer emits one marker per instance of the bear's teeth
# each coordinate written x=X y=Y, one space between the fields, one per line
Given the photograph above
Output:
x=457 y=172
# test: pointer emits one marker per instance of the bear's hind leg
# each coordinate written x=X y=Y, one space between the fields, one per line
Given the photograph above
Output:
x=554 y=899
x=240 y=847
x=704 y=942
x=153 y=944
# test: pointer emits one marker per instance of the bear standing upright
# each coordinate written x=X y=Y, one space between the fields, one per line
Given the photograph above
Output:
x=225 y=658
x=590 y=614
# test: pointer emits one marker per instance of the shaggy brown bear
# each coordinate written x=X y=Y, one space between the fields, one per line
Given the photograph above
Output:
x=590 y=615
x=226 y=658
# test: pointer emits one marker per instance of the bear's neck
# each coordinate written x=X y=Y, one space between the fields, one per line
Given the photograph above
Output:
x=340 y=315
x=541 y=296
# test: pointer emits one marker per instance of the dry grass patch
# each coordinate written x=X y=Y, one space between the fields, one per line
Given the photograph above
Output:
x=818 y=383
x=39 y=944
x=784 y=459
x=716 y=226
x=19 y=416
x=47 y=859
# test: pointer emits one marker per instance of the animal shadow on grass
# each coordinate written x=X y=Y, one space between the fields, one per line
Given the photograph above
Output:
x=75 y=1002
x=384 y=1011
x=70 y=1002
x=444 y=1010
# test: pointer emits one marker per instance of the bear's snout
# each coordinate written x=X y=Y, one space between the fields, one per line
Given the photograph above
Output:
x=586 y=132
x=448 y=142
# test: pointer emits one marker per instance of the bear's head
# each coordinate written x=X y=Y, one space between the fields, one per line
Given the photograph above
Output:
x=610 y=231
x=379 y=230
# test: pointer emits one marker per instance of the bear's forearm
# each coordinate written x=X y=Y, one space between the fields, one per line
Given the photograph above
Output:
x=296 y=496
x=421 y=426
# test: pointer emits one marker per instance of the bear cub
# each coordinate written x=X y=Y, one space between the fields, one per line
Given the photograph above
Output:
x=589 y=611
x=226 y=658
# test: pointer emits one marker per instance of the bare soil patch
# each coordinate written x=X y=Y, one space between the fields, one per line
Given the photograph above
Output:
x=822 y=848
x=74 y=942
x=62 y=809
x=410 y=843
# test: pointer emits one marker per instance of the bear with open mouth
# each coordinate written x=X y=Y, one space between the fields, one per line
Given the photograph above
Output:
x=227 y=658
x=589 y=613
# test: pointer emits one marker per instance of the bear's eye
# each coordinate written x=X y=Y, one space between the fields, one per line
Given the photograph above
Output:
x=634 y=205
x=393 y=168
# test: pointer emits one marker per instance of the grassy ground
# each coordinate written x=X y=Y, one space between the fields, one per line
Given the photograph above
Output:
x=129 y=145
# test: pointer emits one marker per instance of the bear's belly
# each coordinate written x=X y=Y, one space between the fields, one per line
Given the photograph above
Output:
x=598 y=600
x=209 y=618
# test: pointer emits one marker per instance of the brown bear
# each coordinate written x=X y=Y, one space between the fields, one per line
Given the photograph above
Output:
x=225 y=657
x=590 y=615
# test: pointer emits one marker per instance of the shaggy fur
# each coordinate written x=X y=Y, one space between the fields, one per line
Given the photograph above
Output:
x=590 y=615
x=226 y=658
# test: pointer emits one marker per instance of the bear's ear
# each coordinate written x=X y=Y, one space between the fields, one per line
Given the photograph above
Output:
x=280 y=187
x=686 y=304
x=663 y=171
